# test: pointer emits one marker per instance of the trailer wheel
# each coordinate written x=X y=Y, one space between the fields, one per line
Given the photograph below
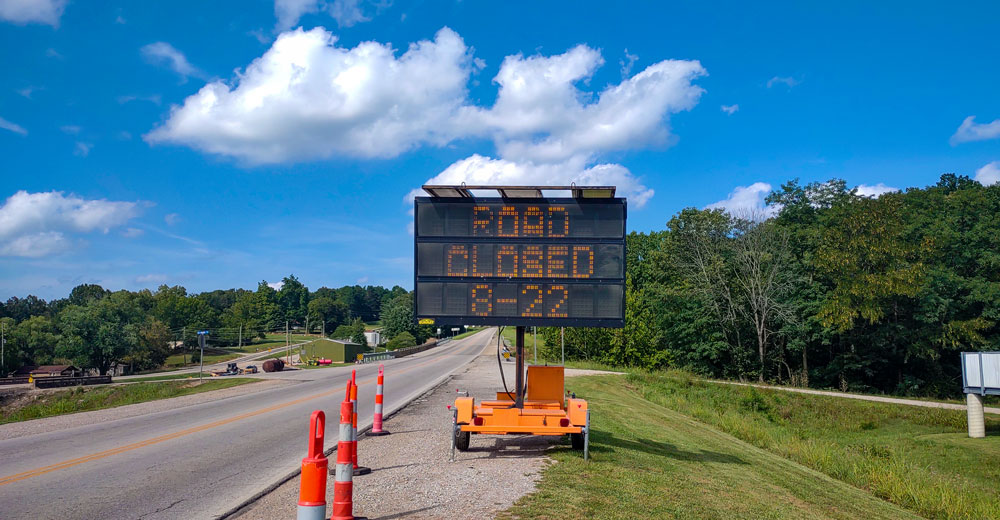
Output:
x=462 y=440
x=577 y=440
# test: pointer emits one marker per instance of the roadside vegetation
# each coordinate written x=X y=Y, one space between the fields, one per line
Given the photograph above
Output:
x=88 y=398
x=919 y=459
x=649 y=461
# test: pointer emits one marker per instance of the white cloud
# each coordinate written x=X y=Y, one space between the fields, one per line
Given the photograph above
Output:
x=133 y=233
x=747 y=201
x=151 y=279
x=627 y=63
x=989 y=174
x=346 y=12
x=172 y=218
x=162 y=53
x=307 y=98
x=82 y=149
x=32 y=11
x=788 y=81
x=13 y=127
x=35 y=245
x=34 y=224
x=154 y=99
x=70 y=129
x=276 y=285
x=52 y=53
x=874 y=190
x=969 y=130
x=26 y=92
x=288 y=12
x=479 y=170
x=541 y=115
x=730 y=109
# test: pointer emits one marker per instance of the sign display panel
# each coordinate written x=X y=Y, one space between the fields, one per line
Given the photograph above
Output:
x=554 y=262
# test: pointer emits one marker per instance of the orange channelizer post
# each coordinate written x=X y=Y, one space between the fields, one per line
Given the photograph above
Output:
x=377 y=417
x=343 y=485
x=312 y=486
x=358 y=470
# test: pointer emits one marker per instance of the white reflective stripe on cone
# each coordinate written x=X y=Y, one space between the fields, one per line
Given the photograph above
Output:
x=345 y=473
x=345 y=431
x=311 y=513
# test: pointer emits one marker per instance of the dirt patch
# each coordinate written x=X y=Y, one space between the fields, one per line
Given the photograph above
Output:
x=411 y=474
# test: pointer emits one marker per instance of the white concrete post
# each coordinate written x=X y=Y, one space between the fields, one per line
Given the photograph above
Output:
x=977 y=426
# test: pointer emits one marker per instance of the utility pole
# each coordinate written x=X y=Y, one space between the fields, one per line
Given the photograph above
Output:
x=241 y=335
x=3 y=343
x=184 y=353
x=307 y=324
x=534 y=332
x=562 y=339
x=288 y=344
x=202 y=335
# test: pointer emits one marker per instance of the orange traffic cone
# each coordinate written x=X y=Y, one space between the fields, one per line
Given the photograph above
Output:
x=343 y=485
x=358 y=470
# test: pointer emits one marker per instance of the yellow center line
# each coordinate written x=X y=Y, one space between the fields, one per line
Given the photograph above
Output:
x=162 y=438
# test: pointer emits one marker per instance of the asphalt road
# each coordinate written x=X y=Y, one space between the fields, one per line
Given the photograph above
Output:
x=200 y=461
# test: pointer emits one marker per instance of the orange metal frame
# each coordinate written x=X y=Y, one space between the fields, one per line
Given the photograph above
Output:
x=545 y=409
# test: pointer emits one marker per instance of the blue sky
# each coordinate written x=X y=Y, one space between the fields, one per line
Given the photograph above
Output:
x=214 y=145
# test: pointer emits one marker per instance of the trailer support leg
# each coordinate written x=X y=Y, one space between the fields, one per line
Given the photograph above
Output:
x=454 y=432
x=519 y=379
x=586 y=438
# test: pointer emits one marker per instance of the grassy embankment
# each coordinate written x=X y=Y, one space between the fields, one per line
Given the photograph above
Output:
x=88 y=398
x=663 y=446
x=471 y=331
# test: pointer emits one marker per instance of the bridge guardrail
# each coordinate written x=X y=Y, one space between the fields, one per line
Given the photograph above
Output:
x=403 y=352
x=59 y=381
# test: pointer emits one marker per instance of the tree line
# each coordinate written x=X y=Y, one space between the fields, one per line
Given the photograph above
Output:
x=823 y=288
x=97 y=328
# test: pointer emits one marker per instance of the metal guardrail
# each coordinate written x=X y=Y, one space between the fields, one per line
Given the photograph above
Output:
x=13 y=380
x=58 y=381
x=403 y=352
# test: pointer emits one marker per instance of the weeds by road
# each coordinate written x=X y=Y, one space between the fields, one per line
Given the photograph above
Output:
x=918 y=458
x=652 y=462
x=84 y=399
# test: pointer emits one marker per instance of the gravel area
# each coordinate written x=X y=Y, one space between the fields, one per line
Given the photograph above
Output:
x=73 y=420
x=411 y=474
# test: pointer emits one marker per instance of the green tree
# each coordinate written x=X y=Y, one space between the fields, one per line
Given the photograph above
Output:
x=33 y=341
x=102 y=333
x=397 y=316
x=401 y=340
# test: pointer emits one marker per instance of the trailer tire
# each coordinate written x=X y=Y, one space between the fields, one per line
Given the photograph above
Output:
x=462 y=440
x=577 y=440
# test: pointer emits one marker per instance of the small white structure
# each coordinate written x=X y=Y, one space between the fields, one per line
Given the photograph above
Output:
x=980 y=377
x=374 y=337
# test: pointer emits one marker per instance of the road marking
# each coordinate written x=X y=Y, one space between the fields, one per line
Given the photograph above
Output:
x=162 y=438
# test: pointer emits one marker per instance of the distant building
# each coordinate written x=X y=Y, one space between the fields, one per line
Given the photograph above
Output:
x=55 y=371
x=342 y=351
x=373 y=337
x=24 y=371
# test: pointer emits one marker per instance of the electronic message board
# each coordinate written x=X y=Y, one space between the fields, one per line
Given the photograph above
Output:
x=494 y=261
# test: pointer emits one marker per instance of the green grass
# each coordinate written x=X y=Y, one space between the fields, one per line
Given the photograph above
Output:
x=649 y=461
x=471 y=331
x=212 y=355
x=84 y=398
x=509 y=334
x=918 y=458
x=162 y=378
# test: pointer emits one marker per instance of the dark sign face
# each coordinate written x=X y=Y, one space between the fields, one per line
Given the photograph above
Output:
x=558 y=262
